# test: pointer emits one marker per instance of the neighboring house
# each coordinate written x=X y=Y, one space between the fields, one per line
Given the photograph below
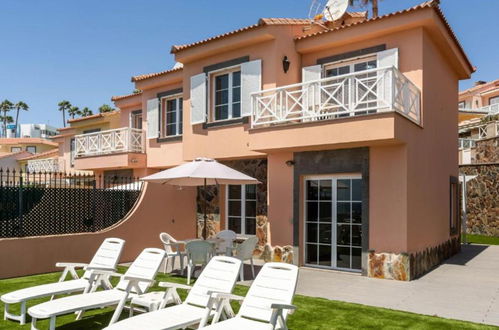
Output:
x=83 y=134
x=10 y=162
x=31 y=145
x=43 y=131
x=44 y=162
x=338 y=121
x=479 y=123
x=15 y=153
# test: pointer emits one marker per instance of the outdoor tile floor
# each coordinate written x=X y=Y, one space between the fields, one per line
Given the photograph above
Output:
x=466 y=287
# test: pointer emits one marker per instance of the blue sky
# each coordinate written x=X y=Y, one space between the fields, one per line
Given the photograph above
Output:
x=86 y=51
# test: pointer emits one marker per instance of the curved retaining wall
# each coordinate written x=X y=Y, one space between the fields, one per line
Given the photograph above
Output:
x=159 y=208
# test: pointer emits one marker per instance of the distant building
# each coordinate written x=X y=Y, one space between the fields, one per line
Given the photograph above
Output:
x=43 y=131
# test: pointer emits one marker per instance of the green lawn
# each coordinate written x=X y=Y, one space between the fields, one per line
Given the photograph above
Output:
x=481 y=239
x=312 y=313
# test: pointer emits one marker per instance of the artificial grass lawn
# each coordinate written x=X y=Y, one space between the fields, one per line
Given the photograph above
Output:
x=481 y=239
x=312 y=313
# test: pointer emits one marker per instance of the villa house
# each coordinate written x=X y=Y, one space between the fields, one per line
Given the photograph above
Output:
x=479 y=123
x=16 y=153
x=337 y=120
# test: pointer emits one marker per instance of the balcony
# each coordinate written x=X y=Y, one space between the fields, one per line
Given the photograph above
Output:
x=487 y=110
x=350 y=95
x=116 y=148
x=52 y=165
x=121 y=140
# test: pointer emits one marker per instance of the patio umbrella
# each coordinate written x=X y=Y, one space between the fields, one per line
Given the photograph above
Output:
x=200 y=172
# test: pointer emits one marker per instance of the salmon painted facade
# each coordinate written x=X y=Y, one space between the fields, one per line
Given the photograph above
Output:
x=337 y=120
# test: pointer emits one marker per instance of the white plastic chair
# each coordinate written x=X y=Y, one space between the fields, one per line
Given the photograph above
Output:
x=244 y=251
x=199 y=252
x=267 y=303
x=106 y=258
x=226 y=242
x=136 y=281
x=219 y=275
x=172 y=249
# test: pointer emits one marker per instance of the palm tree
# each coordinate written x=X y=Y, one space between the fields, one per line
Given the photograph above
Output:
x=5 y=107
x=86 y=112
x=73 y=111
x=63 y=107
x=20 y=106
x=364 y=3
x=105 y=108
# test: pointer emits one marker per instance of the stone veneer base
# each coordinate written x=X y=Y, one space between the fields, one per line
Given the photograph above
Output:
x=410 y=266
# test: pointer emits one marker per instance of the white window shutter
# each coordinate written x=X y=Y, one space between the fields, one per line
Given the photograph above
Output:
x=309 y=73
x=388 y=58
x=152 y=118
x=313 y=94
x=198 y=99
x=251 y=81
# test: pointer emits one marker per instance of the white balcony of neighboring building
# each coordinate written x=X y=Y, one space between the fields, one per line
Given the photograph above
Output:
x=121 y=140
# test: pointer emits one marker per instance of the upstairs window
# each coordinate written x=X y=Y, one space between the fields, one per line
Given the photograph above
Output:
x=461 y=105
x=31 y=149
x=15 y=149
x=494 y=100
x=226 y=95
x=171 y=115
x=136 y=119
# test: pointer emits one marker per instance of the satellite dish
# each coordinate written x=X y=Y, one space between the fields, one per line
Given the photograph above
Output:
x=334 y=9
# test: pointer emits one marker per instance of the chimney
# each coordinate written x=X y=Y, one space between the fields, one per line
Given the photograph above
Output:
x=480 y=82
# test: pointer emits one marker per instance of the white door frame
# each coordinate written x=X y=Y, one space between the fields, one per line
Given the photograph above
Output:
x=303 y=200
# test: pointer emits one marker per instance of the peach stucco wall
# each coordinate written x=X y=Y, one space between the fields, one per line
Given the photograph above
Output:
x=160 y=208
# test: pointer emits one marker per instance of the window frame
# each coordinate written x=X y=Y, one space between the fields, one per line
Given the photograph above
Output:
x=461 y=105
x=179 y=110
x=136 y=118
x=31 y=147
x=212 y=90
x=454 y=210
x=493 y=98
x=347 y=62
x=243 y=200
x=19 y=149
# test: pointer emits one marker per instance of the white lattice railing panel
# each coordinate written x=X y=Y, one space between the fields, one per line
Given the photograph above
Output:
x=51 y=165
x=124 y=139
x=466 y=144
x=355 y=94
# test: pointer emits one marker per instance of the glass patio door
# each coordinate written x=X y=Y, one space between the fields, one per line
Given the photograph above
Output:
x=333 y=222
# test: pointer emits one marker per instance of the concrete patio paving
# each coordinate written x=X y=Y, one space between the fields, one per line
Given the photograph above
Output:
x=465 y=287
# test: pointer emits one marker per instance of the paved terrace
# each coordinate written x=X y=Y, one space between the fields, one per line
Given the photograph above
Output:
x=466 y=287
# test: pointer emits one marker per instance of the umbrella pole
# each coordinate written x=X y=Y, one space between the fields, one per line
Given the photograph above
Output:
x=205 y=217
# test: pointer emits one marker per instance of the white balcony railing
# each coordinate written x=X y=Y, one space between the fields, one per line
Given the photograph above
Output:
x=465 y=144
x=488 y=110
x=119 y=140
x=355 y=94
x=46 y=165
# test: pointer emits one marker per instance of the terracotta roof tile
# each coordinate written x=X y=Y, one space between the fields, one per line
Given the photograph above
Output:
x=356 y=13
x=10 y=141
x=156 y=74
x=427 y=4
x=261 y=22
x=16 y=155
x=97 y=115
x=122 y=97
x=477 y=88
x=53 y=152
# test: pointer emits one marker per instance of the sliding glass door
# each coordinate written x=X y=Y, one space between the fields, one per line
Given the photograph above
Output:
x=333 y=222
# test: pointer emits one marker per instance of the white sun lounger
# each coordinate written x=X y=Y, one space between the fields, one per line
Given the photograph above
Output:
x=106 y=258
x=267 y=302
x=137 y=279
x=219 y=275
